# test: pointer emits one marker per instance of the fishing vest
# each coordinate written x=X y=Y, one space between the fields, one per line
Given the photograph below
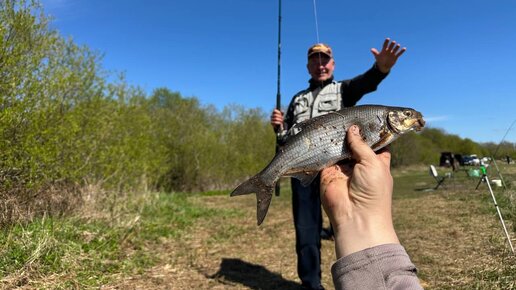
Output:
x=308 y=104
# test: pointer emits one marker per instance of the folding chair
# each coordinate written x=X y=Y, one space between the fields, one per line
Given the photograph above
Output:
x=439 y=179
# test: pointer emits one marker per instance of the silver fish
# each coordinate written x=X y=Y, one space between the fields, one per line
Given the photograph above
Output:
x=321 y=143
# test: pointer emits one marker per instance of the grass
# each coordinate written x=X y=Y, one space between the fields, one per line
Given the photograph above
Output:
x=92 y=252
x=49 y=246
x=208 y=240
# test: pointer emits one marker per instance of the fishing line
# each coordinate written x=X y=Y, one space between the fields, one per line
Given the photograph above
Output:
x=493 y=155
x=317 y=33
x=503 y=138
x=316 y=24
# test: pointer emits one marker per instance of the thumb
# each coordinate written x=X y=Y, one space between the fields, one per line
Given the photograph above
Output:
x=375 y=52
x=359 y=149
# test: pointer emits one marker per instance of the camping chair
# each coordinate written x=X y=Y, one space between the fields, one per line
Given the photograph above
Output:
x=439 y=179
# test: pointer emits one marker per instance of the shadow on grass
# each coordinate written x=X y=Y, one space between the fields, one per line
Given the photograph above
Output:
x=425 y=189
x=251 y=275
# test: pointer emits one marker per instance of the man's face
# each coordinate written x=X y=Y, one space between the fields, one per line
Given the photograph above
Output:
x=320 y=67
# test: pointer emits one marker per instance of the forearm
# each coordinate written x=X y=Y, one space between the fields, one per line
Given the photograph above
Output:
x=360 y=232
x=360 y=85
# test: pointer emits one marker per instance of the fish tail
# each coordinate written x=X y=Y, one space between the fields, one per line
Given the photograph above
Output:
x=263 y=195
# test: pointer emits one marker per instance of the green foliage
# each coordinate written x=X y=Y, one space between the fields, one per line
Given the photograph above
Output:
x=205 y=150
x=63 y=127
x=501 y=150
x=426 y=147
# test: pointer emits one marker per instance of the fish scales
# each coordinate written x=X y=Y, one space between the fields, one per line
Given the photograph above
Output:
x=324 y=143
x=321 y=143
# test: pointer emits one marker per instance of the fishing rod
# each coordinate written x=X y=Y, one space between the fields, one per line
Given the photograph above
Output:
x=493 y=156
x=503 y=138
x=278 y=93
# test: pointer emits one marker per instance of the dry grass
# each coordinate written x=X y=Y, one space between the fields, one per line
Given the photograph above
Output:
x=19 y=205
x=454 y=241
x=453 y=236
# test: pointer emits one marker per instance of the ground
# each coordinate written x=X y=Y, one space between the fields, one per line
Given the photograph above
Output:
x=452 y=234
x=211 y=241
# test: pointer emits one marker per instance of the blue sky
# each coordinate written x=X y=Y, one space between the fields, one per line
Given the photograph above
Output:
x=459 y=69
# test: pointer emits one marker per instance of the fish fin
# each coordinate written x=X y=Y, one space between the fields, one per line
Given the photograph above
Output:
x=306 y=177
x=263 y=201
x=386 y=137
x=263 y=195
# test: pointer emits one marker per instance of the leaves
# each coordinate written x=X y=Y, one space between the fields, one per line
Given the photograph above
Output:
x=64 y=126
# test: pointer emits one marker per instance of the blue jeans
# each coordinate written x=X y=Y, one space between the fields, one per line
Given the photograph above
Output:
x=306 y=205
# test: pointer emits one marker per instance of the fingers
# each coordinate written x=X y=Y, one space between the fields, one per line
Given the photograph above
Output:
x=391 y=45
x=333 y=177
x=385 y=156
x=386 y=43
x=328 y=174
x=277 y=112
x=393 y=48
x=396 y=51
x=277 y=118
x=358 y=147
x=401 y=52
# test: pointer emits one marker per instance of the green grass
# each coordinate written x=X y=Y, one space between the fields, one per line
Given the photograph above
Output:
x=84 y=251
x=89 y=252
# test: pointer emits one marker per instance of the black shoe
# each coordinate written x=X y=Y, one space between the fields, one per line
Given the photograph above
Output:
x=306 y=287
x=327 y=234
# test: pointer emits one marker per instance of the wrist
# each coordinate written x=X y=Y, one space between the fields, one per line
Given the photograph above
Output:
x=362 y=232
x=382 y=69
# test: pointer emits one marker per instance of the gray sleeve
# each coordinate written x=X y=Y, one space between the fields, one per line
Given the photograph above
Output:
x=381 y=267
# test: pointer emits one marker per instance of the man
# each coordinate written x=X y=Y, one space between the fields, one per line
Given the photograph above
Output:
x=324 y=95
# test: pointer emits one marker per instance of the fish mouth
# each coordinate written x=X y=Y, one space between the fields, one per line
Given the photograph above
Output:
x=415 y=124
x=419 y=123
x=402 y=121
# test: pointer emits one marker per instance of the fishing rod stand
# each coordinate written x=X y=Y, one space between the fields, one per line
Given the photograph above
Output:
x=482 y=179
x=485 y=179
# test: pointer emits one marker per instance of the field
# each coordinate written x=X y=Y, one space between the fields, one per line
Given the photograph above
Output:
x=211 y=241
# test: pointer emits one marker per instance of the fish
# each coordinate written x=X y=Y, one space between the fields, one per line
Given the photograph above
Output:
x=320 y=142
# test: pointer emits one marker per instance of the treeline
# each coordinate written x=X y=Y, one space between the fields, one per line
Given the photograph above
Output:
x=426 y=147
x=64 y=126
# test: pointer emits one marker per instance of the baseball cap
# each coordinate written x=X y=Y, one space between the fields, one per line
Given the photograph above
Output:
x=320 y=48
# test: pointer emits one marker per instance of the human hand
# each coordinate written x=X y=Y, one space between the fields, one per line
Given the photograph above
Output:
x=277 y=119
x=357 y=198
x=390 y=53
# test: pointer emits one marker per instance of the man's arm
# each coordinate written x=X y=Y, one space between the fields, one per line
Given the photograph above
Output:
x=355 y=88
